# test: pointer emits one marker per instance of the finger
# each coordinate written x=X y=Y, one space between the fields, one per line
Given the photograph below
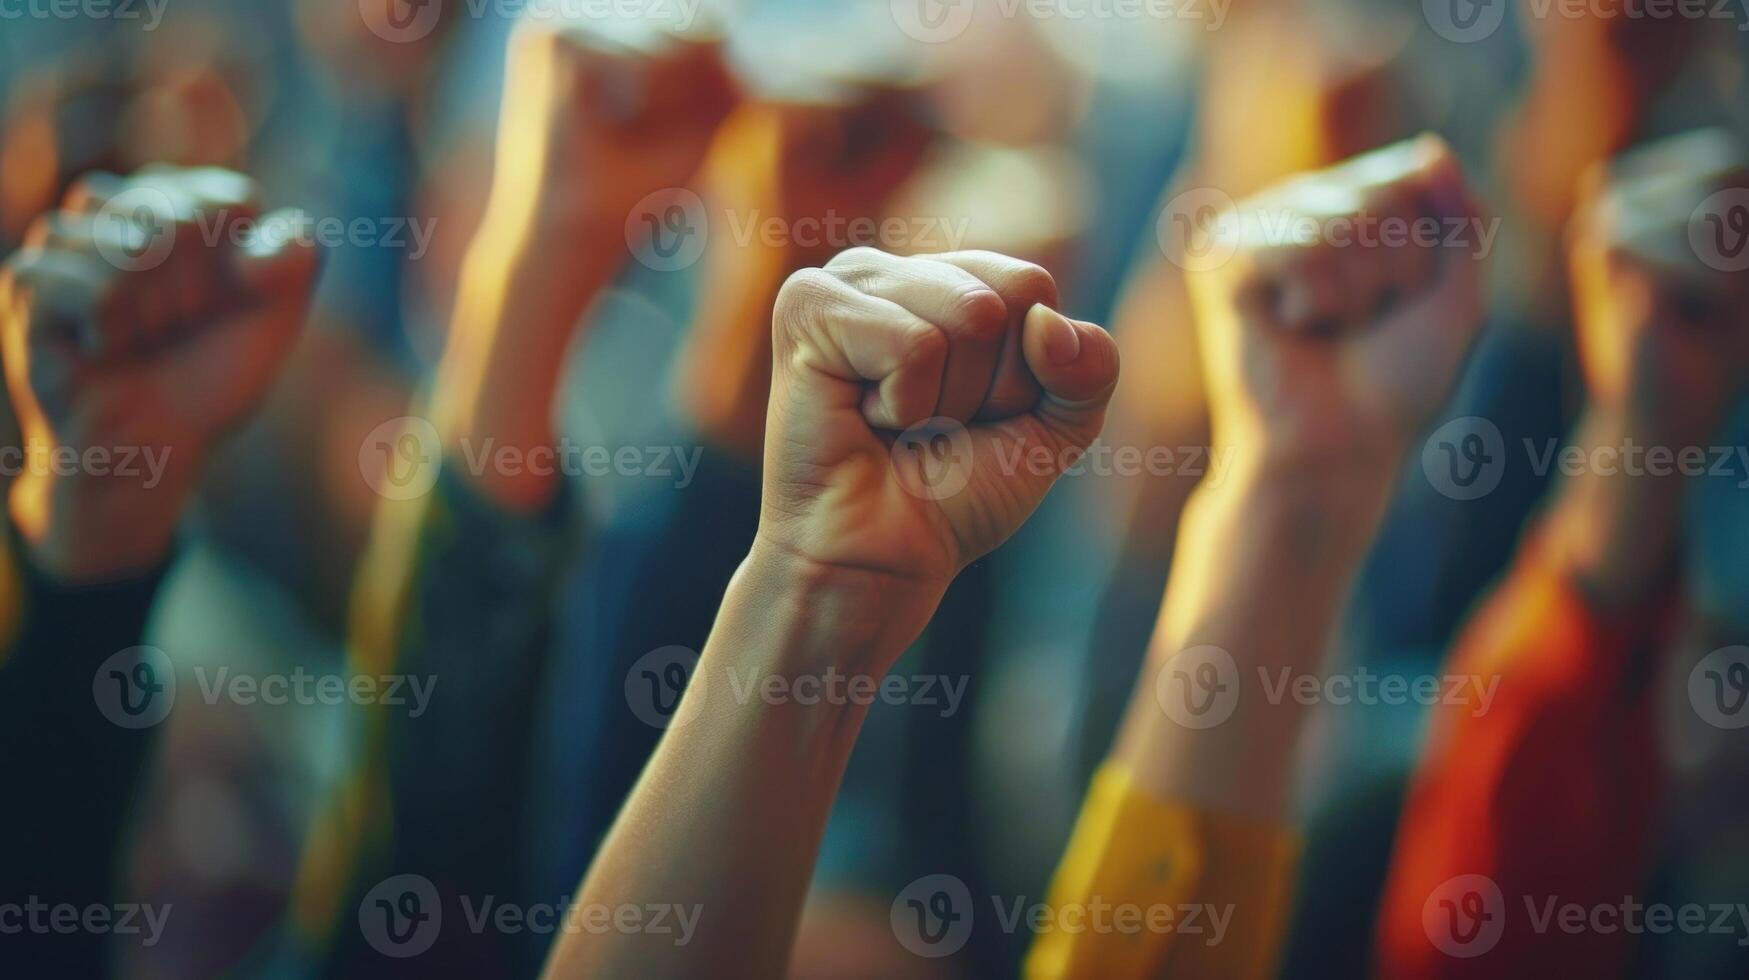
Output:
x=217 y=373
x=91 y=191
x=967 y=311
x=1077 y=365
x=65 y=298
x=838 y=347
x=1021 y=285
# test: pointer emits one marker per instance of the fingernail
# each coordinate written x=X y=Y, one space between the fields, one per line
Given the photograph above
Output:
x=1062 y=342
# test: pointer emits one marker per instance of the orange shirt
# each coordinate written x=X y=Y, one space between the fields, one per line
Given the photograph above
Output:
x=1547 y=799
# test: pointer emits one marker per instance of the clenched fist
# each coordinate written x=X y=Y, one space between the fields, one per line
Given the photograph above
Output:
x=871 y=346
x=594 y=120
x=1660 y=261
x=1347 y=303
x=140 y=323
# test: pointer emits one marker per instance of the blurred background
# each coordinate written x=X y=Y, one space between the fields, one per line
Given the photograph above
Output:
x=1018 y=127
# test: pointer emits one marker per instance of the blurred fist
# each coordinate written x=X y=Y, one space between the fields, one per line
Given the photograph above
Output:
x=595 y=120
x=1660 y=264
x=1346 y=304
x=921 y=408
x=140 y=322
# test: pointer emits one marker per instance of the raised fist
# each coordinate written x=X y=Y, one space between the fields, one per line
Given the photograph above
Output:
x=1660 y=263
x=140 y=322
x=871 y=349
x=1335 y=309
x=596 y=116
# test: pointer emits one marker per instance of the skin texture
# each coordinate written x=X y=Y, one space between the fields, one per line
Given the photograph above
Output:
x=847 y=568
x=103 y=357
x=1323 y=361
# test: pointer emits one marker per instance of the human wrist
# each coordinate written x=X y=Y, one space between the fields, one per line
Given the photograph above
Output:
x=84 y=530
x=817 y=615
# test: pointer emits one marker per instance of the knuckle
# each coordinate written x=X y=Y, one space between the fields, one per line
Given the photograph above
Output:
x=922 y=344
x=858 y=260
x=1034 y=282
x=978 y=313
x=803 y=296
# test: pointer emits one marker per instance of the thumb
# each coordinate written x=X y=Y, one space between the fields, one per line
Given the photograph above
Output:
x=1076 y=364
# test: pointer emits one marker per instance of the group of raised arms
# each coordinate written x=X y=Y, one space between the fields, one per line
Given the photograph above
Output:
x=876 y=420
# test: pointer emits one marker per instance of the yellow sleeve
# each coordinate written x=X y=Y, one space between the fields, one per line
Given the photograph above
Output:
x=1184 y=892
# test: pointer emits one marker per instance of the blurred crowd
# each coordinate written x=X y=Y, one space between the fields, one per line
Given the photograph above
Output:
x=464 y=523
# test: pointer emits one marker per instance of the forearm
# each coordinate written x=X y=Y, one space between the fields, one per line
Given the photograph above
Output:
x=726 y=821
x=1262 y=570
x=1617 y=536
x=516 y=311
